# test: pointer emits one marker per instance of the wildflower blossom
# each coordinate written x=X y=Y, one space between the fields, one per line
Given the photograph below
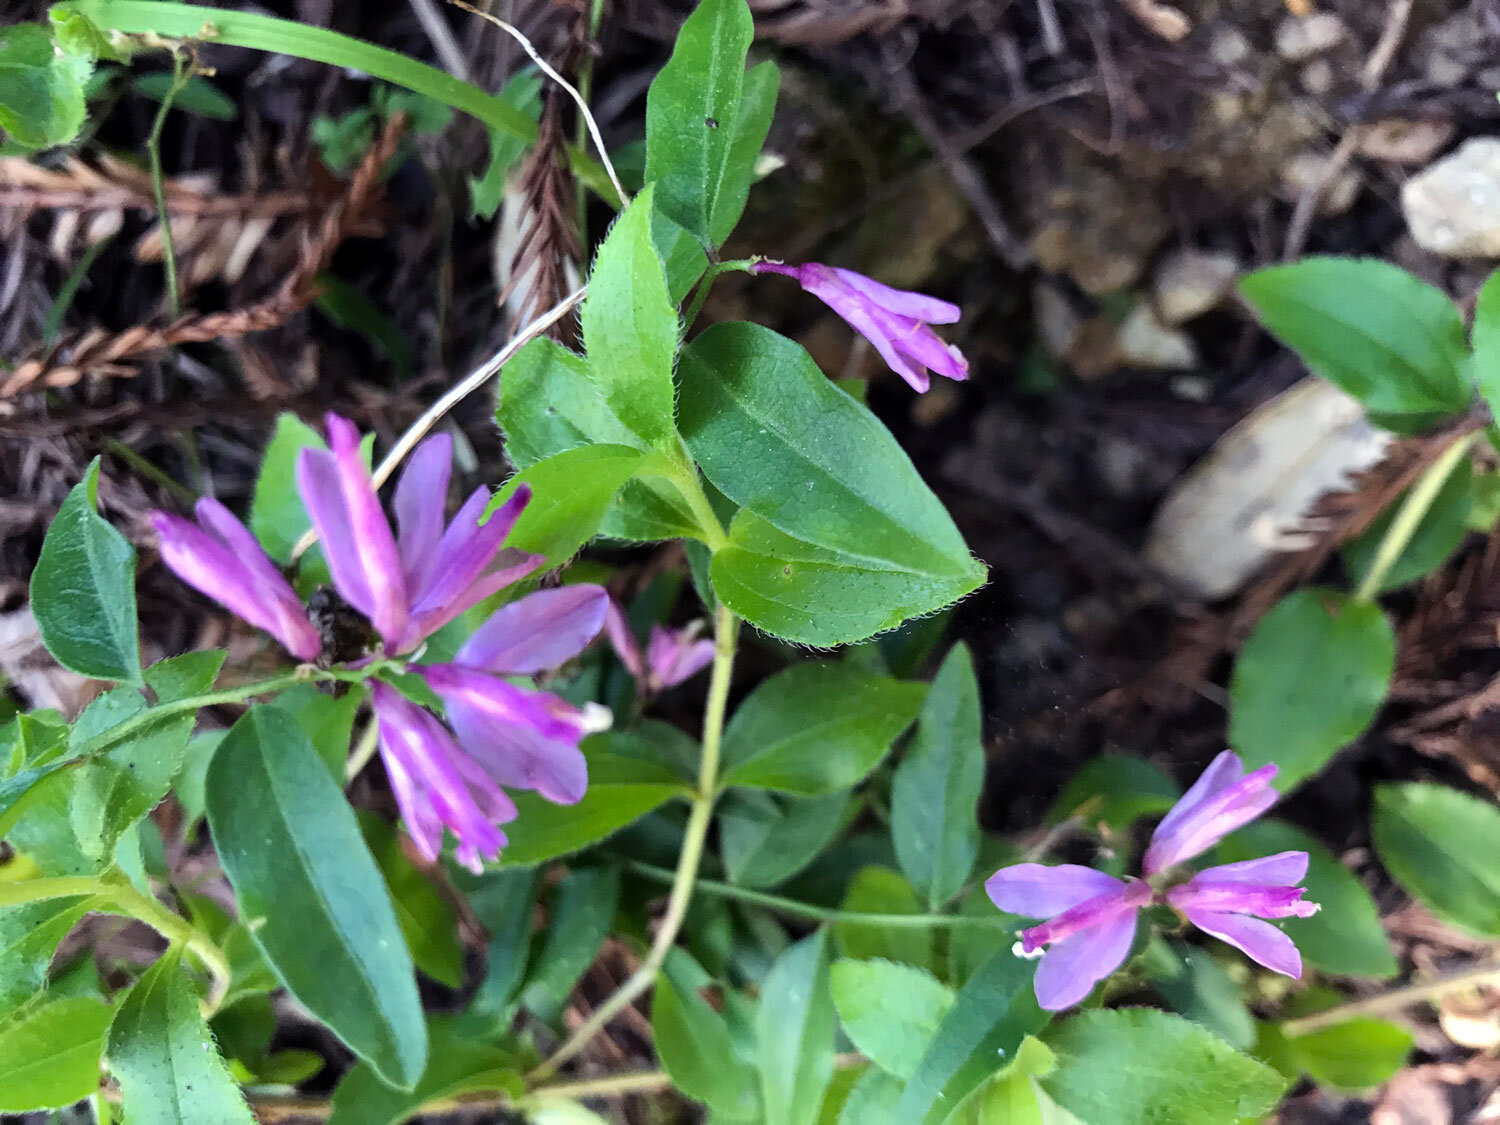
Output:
x=897 y=322
x=672 y=656
x=1092 y=916
x=219 y=557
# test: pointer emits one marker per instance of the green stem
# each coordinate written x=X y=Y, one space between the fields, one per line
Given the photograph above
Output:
x=706 y=282
x=1394 y=1000
x=684 y=476
x=726 y=634
x=823 y=914
x=163 y=711
x=319 y=44
x=364 y=750
x=159 y=185
x=145 y=468
x=1411 y=513
x=121 y=898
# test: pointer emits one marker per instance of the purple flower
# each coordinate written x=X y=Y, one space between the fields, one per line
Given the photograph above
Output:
x=507 y=735
x=672 y=656
x=220 y=558
x=1092 y=916
x=896 y=321
x=412 y=584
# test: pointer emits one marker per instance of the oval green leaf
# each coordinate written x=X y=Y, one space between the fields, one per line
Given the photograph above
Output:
x=889 y=1011
x=794 y=1027
x=49 y=1053
x=1440 y=845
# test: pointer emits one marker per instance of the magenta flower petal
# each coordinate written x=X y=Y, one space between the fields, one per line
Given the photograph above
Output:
x=419 y=502
x=1218 y=803
x=1282 y=869
x=902 y=302
x=434 y=785
x=674 y=657
x=1262 y=942
x=222 y=560
x=1128 y=898
x=895 y=321
x=1035 y=890
x=357 y=540
x=510 y=568
x=537 y=632
x=1072 y=967
x=623 y=640
x=525 y=739
x=1241 y=898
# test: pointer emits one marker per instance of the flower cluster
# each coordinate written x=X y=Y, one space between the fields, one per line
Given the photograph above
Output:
x=1092 y=916
x=672 y=656
x=896 y=321
x=409 y=585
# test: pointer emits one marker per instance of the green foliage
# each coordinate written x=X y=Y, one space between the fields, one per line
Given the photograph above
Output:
x=160 y=1050
x=766 y=839
x=839 y=538
x=889 y=1011
x=1196 y=986
x=571 y=492
x=29 y=936
x=49 y=1052
x=1115 y=790
x=1354 y=1055
x=1346 y=936
x=695 y=1046
x=83 y=590
x=1439 y=845
x=524 y=93
x=276 y=513
x=583 y=908
x=879 y=890
x=1435 y=539
x=42 y=80
x=314 y=900
x=794 y=1028
x=933 y=821
x=197 y=95
x=427 y=920
x=706 y=120
x=1138 y=1066
x=1486 y=340
x=1308 y=682
x=1387 y=338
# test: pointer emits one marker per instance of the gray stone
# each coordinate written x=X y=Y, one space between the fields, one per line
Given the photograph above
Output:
x=1453 y=207
x=1304 y=38
x=1191 y=282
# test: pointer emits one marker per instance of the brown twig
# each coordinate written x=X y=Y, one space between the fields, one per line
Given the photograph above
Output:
x=113 y=354
x=114 y=186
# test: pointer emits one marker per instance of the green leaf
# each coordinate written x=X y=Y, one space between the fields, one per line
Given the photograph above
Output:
x=1433 y=542
x=934 y=823
x=1440 y=844
x=879 y=890
x=29 y=936
x=326 y=719
x=83 y=588
x=197 y=95
x=621 y=790
x=696 y=145
x=116 y=789
x=1345 y=937
x=427 y=920
x=41 y=89
x=777 y=438
x=765 y=840
x=1139 y=1066
x=583 y=909
x=1387 y=338
x=816 y=728
x=1115 y=790
x=570 y=493
x=1487 y=342
x=49 y=1053
x=312 y=897
x=990 y=1017
x=874 y=1100
x=757 y=108
x=549 y=404
x=349 y=307
x=458 y=1065
x=162 y=1054
x=630 y=328
x=1012 y=1096
x=1354 y=1055
x=1196 y=986
x=524 y=93
x=505 y=904
x=1308 y=682
x=276 y=513
x=889 y=1011
x=681 y=254
x=794 y=1028
x=695 y=1048
x=18 y=792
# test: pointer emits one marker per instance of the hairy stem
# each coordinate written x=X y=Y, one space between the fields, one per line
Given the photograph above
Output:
x=1395 y=1000
x=726 y=633
x=1411 y=513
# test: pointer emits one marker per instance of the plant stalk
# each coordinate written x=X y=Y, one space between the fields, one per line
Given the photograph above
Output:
x=1395 y=1000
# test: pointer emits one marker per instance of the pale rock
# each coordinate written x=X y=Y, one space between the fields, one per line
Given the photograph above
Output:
x=1452 y=207
x=1147 y=343
x=1228 y=46
x=1406 y=140
x=1057 y=321
x=1298 y=40
x=1306 y=169
x=1191 y=282
x=1317 y=78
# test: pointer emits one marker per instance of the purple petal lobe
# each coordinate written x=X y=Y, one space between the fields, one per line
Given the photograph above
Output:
x=1087 y=914
x=1071 y=968
x=1209 y=818
x=421 y=497
x=369 y=533
x=673 y=657
x=902 y=302
x=623 y=640
x=1241 y=898
x=1035 y=890
x=1281 y=870
x=465 y=551
x=1262 y=942
x=537 y=632
x=1221 y=773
